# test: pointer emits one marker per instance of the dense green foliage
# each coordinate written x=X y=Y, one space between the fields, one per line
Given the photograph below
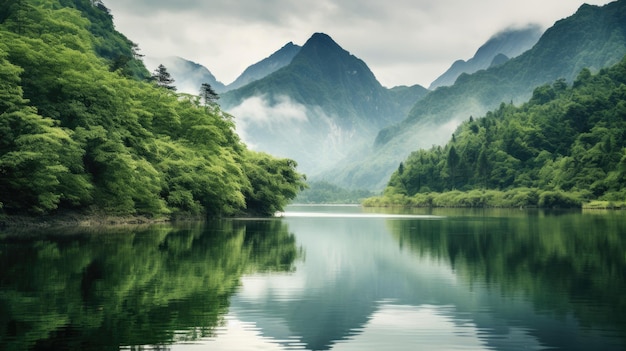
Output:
x=78 y=130
x=130 y=286
x=323 y=192
x=565 y=139
x=594 y=37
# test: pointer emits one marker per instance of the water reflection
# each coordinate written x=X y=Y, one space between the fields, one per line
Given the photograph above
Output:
x=142 y=286
x=569 y=267
x=342 y=279
x=501 y=280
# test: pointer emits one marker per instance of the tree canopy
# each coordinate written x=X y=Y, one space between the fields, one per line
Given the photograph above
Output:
x=77 y=134
x=567 y=139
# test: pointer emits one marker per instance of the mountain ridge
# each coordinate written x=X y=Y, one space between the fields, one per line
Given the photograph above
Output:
x=281 y=58
x=510 y=42
x=594 y=37
x=190 y=75
x=319 y=107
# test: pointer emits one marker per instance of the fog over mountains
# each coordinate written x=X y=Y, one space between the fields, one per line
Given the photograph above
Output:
x=594 y=37
x=323 y=107
x=498 y=49
x=190 y=76
x=319 y=108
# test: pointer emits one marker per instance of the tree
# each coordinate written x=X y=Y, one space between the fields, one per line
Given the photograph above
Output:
x=453 y=162
x=120 y=146
x=162 y=78
x=482 y=166
x=208 y=94
x=273 y=182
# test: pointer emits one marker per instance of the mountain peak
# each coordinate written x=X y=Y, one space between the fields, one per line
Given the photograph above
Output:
x=322 y=52
x=322 y=40
x=321 y=37
x=263 y=68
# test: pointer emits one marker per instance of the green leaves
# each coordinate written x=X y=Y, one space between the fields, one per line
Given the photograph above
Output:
x=273 y=182
x=76 y=135
x=565 y=140
x=38 y=167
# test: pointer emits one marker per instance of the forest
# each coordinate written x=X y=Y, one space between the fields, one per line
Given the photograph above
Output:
x=565 y=147
x=84 y=128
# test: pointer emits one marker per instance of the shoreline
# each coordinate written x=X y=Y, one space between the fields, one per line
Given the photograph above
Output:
x=81 y=220
x=76 y=220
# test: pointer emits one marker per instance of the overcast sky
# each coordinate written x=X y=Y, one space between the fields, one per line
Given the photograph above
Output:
x=404 y=42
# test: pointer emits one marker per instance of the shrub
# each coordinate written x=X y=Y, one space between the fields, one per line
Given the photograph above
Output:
x=558 y=199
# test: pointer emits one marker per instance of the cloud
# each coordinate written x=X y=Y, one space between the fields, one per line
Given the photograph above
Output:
x=258 y=110
x=403 y=41
x=286 y=128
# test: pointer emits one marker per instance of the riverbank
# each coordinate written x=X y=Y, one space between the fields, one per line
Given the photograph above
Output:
x=514 y=198
x=605 y=205
x=75 y=220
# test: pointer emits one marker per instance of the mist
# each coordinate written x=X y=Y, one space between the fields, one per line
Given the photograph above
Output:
x=304 y=133
x=188 y=76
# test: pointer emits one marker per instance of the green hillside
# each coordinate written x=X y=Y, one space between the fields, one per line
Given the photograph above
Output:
x=594 y=37
x=82 y=130
x=565 y=146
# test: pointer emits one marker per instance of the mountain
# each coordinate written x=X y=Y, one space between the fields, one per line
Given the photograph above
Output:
x=594 y=37
x=565 y=138
x=319 y=108
x=265 y=67
x=510 y=43
x=188 y=75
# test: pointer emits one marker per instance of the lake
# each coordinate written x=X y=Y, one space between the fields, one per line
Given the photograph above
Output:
x=322 y=278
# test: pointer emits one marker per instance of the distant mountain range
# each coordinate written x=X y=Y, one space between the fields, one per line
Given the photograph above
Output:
x=498 y=49
x=323 y=107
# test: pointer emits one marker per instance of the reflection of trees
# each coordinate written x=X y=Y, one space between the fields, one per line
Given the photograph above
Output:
x=130 y=286
x=570 y=263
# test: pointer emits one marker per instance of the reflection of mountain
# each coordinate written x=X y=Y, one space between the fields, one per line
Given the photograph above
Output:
x=105 y=290
x=355 y=276
x=580 y=257
x=500 y=282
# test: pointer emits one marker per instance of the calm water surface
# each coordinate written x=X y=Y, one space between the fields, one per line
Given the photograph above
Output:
x=322 y=278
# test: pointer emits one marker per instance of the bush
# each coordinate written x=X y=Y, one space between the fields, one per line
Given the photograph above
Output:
x=558 y=199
